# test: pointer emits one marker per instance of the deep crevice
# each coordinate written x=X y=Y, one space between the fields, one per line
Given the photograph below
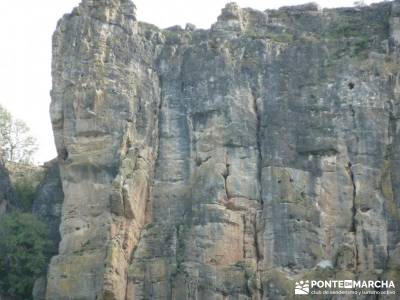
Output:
x=160 y=104
x=354 y=212
x=258 y=139
x=353 y=209
x=225 y=175
x=259 y=255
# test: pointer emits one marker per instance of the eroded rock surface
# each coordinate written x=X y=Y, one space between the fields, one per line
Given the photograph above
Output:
x=225 y=163
x=48 y=200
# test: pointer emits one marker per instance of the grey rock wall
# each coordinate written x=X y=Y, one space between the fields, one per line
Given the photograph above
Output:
x=48 y=200
x=225 y=163
x=46 y=206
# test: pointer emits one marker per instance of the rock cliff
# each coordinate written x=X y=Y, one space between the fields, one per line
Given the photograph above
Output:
x=48 y=199
x=225 y=163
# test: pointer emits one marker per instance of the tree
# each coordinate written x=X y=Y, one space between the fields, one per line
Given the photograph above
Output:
x=16 y=142
x=25 y=250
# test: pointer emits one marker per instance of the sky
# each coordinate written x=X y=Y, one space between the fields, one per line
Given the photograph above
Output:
x=26 y=28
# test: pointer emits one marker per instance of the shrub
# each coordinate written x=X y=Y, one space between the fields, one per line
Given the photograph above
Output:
x=172 y=37
x=24 y=253
x=25 y=192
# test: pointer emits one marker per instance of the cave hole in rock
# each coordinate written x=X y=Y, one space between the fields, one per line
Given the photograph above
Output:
x=365 y=209
x=63 y=154
x=351 y=85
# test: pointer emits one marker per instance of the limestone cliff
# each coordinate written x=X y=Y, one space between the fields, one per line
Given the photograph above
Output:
x=48 y=199
x=225 y=163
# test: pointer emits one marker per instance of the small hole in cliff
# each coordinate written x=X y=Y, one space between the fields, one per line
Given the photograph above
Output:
x=351 y=85
x=365 y=209
x=77 y=228
x=291 y=265
x=198 y=162
x=63 y=154
x=279 y=181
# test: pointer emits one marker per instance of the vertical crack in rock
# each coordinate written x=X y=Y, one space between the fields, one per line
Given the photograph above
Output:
x=259 y=256
x=258 y=139
x=159 y=123
x=127 y=283
x=354 y=213
x=353 y=209
x=244 y=235
x=225 y=175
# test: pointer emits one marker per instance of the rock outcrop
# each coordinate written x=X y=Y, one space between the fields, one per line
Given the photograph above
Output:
x=225 y=163
x=46 y=206
x=48 y=200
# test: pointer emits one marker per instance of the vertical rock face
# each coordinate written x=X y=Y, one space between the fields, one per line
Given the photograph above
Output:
x=105 y=105
x=225 y=163
x=46 y=207
x=48 y=200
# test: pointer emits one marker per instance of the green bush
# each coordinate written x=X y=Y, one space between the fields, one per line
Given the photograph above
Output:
x=25 y=192
x=172 y=37
x=24 y=253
